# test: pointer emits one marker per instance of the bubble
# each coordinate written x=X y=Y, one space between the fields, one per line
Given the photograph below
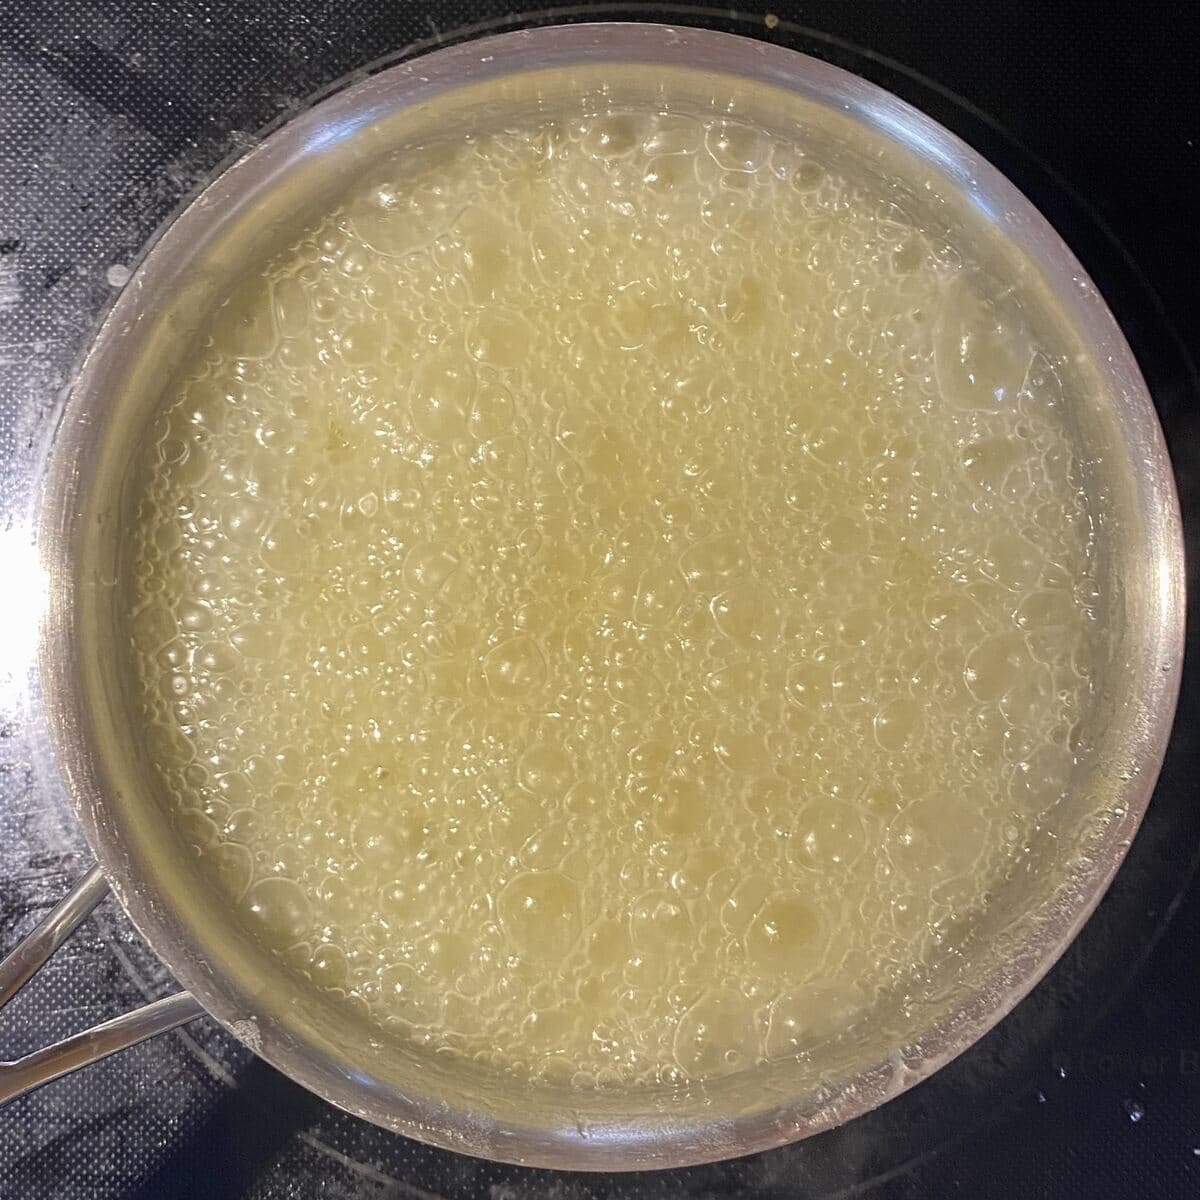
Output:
x=733 y=680
x=195 y=618
x=196 y=830
x=1014 y=561
x=539 y=911
x=745 y=614
x=736 y=147
x=808 y=176
x=447 y=953
x=897 y=724
x=504 y=457
x=545 y=770
x=500 y=339
x=441 y=398
x=989 y=461
x=995 y=665
x=290 y=307
x=671 y=135
x=684 y=807
x=547 y=1030
x=329 y=967
x=829 y=833
x=515 y=668
x=845 y=533
x=716 y=1035
x=982 y=352
x=244 y=825
x=611 y=137
x=659 y=921
x=280 y=908
x=742 y=753
x=406 y=994
x=548 y=847
x=492 y=413
x=782 y=939
x=388 y=847
x=1042 y=610
x=711 y=564
x=428 y=565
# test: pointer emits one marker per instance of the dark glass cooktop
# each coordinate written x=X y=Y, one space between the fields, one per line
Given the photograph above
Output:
x=112 y=112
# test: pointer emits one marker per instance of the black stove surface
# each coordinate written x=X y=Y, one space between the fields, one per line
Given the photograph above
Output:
x=111 y=114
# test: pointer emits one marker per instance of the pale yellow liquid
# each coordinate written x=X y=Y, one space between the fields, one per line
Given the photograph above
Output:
x=611 y=599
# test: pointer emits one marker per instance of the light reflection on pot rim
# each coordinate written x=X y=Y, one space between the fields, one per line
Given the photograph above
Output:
x=623 y=1144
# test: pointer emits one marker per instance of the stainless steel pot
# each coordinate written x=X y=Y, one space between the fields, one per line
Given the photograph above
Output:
x=246 y=214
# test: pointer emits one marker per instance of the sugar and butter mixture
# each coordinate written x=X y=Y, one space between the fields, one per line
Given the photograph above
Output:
x=610 y=597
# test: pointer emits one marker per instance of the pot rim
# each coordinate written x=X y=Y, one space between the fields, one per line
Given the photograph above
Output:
x=645 y=1144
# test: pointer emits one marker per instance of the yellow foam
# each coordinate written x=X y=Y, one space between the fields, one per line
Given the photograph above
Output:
x=610 y=597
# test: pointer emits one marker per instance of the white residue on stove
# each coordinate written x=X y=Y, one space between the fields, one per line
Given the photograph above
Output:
x=246 y=1031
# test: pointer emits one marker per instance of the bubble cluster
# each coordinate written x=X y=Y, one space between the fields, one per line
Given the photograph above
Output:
x=612 y=596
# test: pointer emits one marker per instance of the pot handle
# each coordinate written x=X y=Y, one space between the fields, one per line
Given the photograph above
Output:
x=61 y=1058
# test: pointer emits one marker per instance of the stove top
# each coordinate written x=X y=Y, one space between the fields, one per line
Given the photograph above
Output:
x=111 y=114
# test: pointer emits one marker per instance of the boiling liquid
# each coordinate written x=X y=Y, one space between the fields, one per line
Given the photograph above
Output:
x=612 y=597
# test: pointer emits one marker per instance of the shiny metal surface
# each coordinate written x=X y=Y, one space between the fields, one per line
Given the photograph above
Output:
x=23 y=962
x=82 y=1049
x=238 y=220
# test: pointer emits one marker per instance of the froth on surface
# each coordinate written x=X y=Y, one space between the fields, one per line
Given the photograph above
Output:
x=608 y=600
